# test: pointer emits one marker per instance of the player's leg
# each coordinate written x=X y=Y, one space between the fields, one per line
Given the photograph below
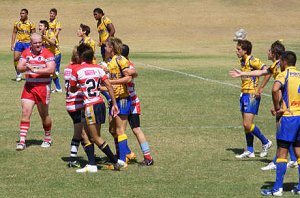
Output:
x=27 y=107
x=112 y=131
x=134 y=122
x=281 y=166
x=76 y=139
x=95 y=116
x=43 y=110
x=249 y=105
x=17 y=55
x=293 y=159
x=55 y=75
x=121 y=122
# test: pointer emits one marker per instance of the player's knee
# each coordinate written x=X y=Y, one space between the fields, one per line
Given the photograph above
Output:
x=247 y=127
x=137 y=131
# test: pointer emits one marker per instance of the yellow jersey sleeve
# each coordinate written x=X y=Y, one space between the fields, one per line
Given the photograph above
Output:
x=290 y=88
x=275 y=68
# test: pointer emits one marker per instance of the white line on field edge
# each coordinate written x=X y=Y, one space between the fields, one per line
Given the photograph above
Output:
x=194 y=76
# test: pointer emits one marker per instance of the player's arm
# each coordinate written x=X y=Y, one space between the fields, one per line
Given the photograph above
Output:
x=264 y=82
x=131 y=72
x=114 y=109
x=111 y=29
x=238 y=73
x=51 y=40
x=22 y=66
x=32 y=30
x=276 y=96
x=57 y=31
x=48 y=70
x=13 y=38
x=124 y=80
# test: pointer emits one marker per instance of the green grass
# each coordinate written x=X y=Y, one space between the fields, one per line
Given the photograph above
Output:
x=193 y=126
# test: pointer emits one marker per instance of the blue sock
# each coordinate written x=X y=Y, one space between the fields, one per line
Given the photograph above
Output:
x=292 y=153
x=280 y=172
x=259 y=135
x=145 y=147
x=123 y=147
x=299 y=175
x=56 y=82
x=249 y=140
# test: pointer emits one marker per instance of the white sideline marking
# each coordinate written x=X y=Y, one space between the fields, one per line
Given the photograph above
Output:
x=194 y=76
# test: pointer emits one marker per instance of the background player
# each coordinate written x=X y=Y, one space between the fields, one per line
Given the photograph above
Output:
x=274 y=53
x=286 y=87
x=38 y=63
x=105 y=29
x=83 y=32
x=249 y=101
x=54 y=24
x=88 y=77
x=135 y=111
x=20 y=39
x=51 y=43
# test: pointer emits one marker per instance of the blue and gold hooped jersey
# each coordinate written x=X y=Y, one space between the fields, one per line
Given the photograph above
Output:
x=249 y=84
x=275 y=69
x=290 y=87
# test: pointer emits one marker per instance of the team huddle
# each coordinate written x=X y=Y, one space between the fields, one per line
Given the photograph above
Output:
x=286 y=106
x=86 y=82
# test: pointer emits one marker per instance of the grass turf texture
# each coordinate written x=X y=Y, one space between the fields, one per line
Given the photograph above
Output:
x=193 y=125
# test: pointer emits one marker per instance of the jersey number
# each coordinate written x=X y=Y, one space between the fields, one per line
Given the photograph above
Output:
x=91 y=86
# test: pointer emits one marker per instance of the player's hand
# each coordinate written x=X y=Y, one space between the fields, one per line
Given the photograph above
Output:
x=279 y=112
x=273 y=112
x=235 y=73
x=257 y=95
x=260 y=90
x=12 y=48
x=114 y=110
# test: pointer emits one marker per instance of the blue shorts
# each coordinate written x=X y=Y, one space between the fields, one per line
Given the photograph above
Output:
x=124 y=105
x=289 y=129
x=95 y=114
x=20 y=46
x=57 y=62
x=249 y=103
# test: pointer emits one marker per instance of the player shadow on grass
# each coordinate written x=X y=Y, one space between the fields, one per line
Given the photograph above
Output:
x=13 y=79
x=99 y=160
x=238 y=151
x=32 y=142
x=287 y=187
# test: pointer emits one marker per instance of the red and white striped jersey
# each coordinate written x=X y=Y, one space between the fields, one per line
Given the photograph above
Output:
x=74 y=101
x=89 y=77
x=135 y=102
x=37 y=61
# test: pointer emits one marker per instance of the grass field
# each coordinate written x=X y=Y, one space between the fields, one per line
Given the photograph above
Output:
x=183 y=51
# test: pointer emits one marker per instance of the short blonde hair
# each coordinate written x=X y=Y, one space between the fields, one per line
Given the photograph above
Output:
x=117 y=45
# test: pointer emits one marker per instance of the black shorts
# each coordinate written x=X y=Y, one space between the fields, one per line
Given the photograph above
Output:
x=134 y=120
x=95 y=114
x=76 y=116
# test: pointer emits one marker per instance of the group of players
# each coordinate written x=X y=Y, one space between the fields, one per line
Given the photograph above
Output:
x=286 y=106
x=38 y=56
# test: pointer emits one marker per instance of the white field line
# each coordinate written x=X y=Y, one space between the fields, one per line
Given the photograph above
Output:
x=194 y=76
